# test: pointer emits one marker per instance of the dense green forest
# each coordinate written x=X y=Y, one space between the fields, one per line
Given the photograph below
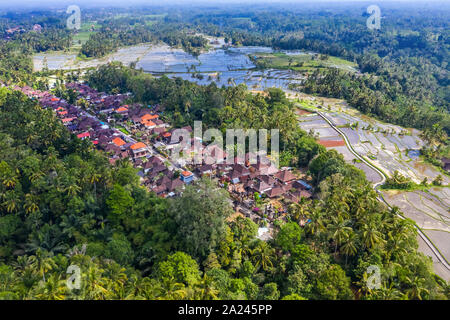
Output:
x=16 y=65
x=126 y=31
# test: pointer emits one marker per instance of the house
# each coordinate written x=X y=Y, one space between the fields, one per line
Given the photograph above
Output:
x=261 y=187
x=213 y=154
x=149 y=124
x=291 y=197
x=174 y=184
x=188 y=128
x=267 y=179
x=300 y=184
x=122 y=110
x=264 y=169
x=275 y=192
x=187 y=177
x=118 y=142
x=205 y=169
x=139 y=149
x=159 y=123
x=285 y=176
x=163 y=181
x=124 y=154
x=240 y=171
x=112 y=148
x=146 y=120
x=159 y=131
x=83 y=135
x=67 y=121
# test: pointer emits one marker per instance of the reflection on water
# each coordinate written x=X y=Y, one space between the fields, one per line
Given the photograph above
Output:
x=226 y=67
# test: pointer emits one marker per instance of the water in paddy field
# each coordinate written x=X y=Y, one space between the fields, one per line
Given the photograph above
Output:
x=223 y=66
x=226 y=67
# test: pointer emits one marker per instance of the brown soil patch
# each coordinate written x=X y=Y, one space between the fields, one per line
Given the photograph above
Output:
x=332 y=143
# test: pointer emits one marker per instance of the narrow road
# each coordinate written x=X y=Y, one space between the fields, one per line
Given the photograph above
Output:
x=433 y=248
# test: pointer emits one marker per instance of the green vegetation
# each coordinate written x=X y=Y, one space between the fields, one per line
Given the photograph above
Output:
x=62 y=203
x=301 y=62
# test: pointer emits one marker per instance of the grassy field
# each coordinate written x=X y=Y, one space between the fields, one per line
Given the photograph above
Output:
x=301 y=62
x=83 y=34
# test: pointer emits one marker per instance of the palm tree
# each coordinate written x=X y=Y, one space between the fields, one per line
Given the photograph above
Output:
x=370 y=236
x=72 y=189
x=262 y=256
x=349 y=246
x=94 y=284
x=30 y=204
x=42 y=262
x=316 y=225
x=298 y=211
x=9 y=181
x=54 y=288
x=11 y=202
x=171 y=290
x=416 y=289
x=205 y=290
x=339 y=230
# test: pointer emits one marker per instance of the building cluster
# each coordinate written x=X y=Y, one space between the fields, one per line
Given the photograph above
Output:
x=138 y=133
x=8 y=33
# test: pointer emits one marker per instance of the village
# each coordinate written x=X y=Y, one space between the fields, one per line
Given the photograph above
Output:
x=260 y=191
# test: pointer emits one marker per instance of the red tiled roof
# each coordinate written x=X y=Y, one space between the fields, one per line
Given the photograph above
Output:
x=121 y=109
x=138 y=145
x=118 y=142
x=186 y=173
x=84 y=135
x=149 y=123
x=147 y=117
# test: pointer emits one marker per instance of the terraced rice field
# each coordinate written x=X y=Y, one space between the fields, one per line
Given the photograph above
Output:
x=387 y=146
x=430 y=210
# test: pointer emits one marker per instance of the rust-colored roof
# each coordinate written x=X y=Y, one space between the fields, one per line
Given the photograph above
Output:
x=332 y=143
x=84 y=135
x=147 y=117
x=186 y=173
x=138 y=145
x=118 y=142
x=121 y=109
x=149 y=123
